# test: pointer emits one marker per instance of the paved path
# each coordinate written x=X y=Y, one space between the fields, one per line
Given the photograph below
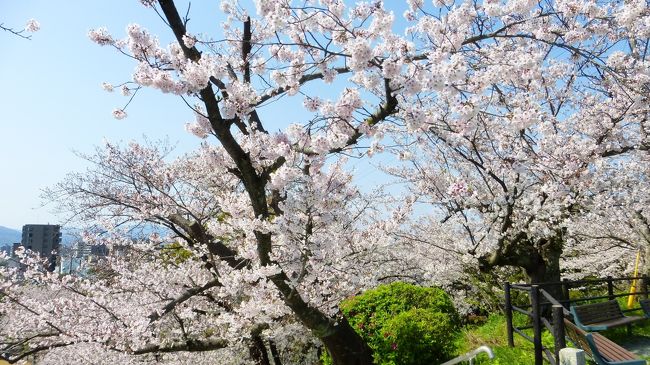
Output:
x=640 y=345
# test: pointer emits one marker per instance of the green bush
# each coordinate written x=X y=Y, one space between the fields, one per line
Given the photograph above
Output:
x=418 y=336
x=405 y=324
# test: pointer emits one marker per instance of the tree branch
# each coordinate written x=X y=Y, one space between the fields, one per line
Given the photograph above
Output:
x=304 y=79
x=199 y=234
x=184 y=297
x=384 y=111
x=191 y=345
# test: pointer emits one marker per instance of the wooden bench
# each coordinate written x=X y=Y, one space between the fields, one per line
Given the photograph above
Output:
x=602 y=316
x=601 y=349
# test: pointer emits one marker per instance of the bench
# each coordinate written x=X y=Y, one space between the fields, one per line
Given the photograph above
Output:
x=601 y=349
x=601 y=316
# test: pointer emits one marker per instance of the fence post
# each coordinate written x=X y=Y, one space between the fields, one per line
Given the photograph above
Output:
x=571 y=356
x=508 y=312
x=610 y=288
x=644 y=286
x=537 y=324
x=565 y=293
x=558 y=330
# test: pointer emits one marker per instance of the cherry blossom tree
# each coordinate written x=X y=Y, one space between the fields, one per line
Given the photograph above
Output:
x=503 y=110
x=131 y=184
x=617 y=219
x=539 y=125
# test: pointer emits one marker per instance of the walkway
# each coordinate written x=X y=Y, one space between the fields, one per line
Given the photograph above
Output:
x=640 y=345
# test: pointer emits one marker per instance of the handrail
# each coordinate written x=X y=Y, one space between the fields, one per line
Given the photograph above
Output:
x=471 y=355
x=581 y=281
x=576 y=300
x=525 y=287
x=553 y=301
x=522 y=311
x=547 y=324
x=625 y=294
x=541 y=302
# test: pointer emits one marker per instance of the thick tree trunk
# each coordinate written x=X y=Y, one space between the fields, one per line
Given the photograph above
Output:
x=346 y=347
x=539 y=259
x=274 y=353
x=546 y=269
x=258 y=352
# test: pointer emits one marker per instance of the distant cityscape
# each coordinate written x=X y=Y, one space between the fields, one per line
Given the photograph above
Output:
x=45 y=240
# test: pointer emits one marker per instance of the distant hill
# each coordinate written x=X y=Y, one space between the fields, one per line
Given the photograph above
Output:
x=9 y=236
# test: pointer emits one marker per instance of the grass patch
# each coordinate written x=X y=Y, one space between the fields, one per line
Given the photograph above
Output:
x=493 y=334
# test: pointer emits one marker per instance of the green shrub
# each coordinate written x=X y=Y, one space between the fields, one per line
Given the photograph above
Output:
x=174 y=253
x=405 y=324
x=418 y=336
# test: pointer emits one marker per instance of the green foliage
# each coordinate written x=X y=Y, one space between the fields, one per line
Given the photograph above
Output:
x=405 y=324
x=417 y=336
x=493 y=334
x=175 y=253
x=483 y=291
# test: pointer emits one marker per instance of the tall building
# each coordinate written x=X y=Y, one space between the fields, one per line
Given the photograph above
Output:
x=44 y=239
x=84 y=250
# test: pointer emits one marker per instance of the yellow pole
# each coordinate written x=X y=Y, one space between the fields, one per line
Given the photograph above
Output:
x=630 y=298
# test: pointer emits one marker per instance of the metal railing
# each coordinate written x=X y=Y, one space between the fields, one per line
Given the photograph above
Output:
x=471 y=355
x=546 y=311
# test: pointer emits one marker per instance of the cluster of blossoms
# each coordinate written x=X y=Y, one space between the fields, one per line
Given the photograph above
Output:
x=119 y=114
x=32 y=26
x=458 y=189
x=201 y=127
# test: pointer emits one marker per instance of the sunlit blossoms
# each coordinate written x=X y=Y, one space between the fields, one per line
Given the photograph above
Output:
x=32 y=26
x=100 y=36
x=119 y=114
x=189 y=41
x=107 y=87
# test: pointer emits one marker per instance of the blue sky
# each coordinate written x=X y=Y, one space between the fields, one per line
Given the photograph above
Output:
x=53 y=103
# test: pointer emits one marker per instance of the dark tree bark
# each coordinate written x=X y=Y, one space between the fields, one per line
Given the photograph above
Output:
x=539 y=259
x=258 y=352
x=344 y=345
x=274 y=353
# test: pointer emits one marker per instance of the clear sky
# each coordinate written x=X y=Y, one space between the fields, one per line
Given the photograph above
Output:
x=52 y=103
